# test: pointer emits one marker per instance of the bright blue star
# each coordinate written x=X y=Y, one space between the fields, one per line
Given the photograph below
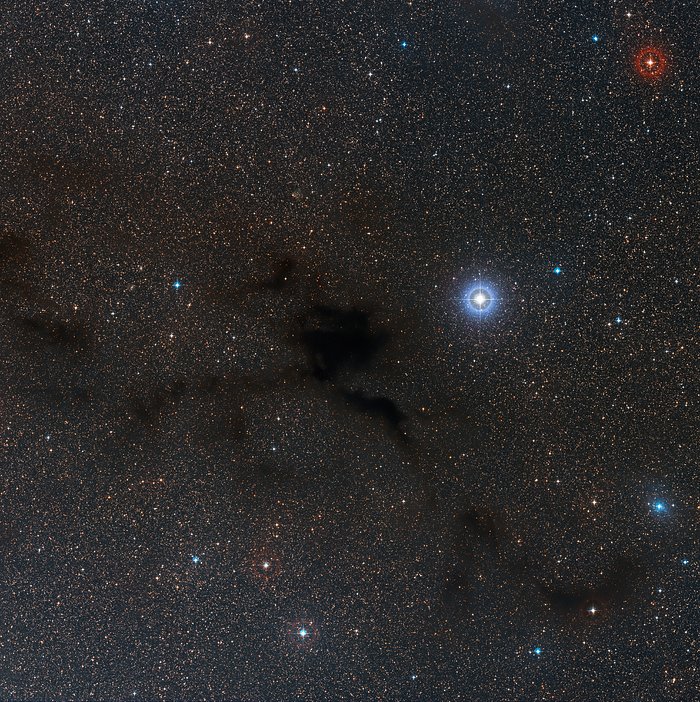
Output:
x=480 y=299
x=659 y=507
x=557 y=270
x=618 y=320
x=537 y=651
x=177 y=285
x=195 y=559
x=404 y=44
x=595 y=38
x=303 y=633
x=685 y=561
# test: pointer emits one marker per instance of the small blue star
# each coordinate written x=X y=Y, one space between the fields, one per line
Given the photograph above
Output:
x=618 y=320
x=303 y=633
x=685 y=561
x=195 y=559
x=557 y=270
x=595 y=38
x=537 y=651
x=177 y=285
x=404 y=44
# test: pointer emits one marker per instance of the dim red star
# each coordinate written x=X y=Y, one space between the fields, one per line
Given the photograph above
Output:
x=650 y=62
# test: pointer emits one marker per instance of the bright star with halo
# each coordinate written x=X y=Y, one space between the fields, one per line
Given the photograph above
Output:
x=479 y=299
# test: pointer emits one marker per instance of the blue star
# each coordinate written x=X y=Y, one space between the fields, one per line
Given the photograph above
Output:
x=195 y=559
x=618 y=320
x=659 y=507
x=537 y=651
x=595 y=38
x=480 y=299
x=303 y=633
x=404 y=44
x=685 y=561
x=177 y=285
x=557 y=270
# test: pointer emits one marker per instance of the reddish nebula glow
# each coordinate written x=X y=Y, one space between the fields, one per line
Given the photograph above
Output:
x=264 y=565
x=650 y=62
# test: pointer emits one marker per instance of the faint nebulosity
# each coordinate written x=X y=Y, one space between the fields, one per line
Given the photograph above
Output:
x=349 y=351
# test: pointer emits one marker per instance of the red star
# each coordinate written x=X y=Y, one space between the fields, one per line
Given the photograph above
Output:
x=650 y=62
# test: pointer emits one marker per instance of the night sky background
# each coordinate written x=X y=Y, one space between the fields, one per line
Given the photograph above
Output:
x=257 y=441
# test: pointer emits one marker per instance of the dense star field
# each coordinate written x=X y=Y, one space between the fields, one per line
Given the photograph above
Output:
x=349 y=351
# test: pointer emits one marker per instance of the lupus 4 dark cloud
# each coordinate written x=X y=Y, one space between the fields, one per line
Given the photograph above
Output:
x=336 y=340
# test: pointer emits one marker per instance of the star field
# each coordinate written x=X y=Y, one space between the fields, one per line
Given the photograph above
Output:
x=349 y=351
